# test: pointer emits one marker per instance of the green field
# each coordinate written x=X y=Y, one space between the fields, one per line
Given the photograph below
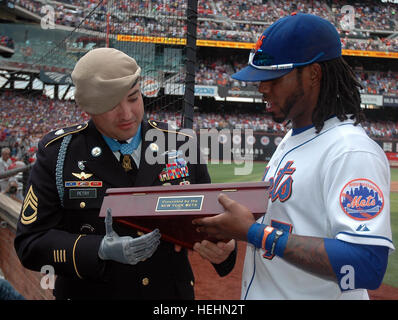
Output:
x=225 y=173
x=391 y=276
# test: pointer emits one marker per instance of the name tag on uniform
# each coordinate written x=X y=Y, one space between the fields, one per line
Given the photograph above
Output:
x=82 y=193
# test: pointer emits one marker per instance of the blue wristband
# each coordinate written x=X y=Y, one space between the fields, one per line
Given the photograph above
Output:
x=255 y=234
x=261 y=236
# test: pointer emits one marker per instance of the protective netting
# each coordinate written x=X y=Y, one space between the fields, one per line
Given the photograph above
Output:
x=152 y=32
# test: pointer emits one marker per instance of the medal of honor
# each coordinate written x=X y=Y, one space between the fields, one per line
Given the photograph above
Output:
x=126 y=163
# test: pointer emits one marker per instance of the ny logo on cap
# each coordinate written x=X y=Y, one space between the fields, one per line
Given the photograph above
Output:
x=259 y=42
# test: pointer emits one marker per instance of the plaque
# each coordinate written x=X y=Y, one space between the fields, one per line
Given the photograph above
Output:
x=179 y=203
x=172 y=208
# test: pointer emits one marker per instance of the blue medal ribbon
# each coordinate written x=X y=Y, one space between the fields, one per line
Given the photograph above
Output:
x=124 y=148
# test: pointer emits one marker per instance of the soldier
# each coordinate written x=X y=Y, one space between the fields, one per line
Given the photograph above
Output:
x=59 y=223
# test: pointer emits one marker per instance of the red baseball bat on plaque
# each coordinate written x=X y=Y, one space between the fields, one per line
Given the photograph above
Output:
x=172 y=208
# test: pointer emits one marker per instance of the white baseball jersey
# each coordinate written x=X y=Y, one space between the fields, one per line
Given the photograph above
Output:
x=334 y=184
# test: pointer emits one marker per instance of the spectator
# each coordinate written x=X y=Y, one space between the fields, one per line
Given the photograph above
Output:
x=14 y=190
x=5 y=162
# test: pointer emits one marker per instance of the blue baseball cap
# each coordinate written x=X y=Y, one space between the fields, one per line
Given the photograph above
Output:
x=296 y=40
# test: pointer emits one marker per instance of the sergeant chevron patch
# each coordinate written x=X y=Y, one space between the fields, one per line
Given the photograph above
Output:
x=29 y=209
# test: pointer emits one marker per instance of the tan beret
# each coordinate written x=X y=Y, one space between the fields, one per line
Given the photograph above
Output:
x=102 y=77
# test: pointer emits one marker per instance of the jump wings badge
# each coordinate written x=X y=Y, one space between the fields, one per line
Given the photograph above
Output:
x=82 y=175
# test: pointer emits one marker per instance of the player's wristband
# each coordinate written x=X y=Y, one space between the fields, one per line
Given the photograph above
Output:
x=268 y=238
x=261 y=236
x=255 y=234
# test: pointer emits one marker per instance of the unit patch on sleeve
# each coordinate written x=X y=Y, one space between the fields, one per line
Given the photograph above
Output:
x=361 y=199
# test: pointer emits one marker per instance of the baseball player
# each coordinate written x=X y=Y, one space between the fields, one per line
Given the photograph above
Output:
x=326 y=233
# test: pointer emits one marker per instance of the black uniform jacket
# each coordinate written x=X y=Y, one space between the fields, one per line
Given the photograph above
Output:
x=59 y=224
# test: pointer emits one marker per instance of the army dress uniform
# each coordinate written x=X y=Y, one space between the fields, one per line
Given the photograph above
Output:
x=60 y=226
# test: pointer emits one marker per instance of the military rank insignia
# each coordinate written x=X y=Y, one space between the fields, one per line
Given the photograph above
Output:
x=29 y=208
x=176 y=169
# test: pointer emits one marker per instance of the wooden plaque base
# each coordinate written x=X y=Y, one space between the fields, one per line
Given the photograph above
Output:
x=172 y=208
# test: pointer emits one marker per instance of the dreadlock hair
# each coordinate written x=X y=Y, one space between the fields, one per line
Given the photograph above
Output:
x=339 y=94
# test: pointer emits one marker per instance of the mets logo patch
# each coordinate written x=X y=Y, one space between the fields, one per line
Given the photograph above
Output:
x=361 y=199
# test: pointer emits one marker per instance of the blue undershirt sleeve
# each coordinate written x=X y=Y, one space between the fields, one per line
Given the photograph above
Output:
x=357 y=266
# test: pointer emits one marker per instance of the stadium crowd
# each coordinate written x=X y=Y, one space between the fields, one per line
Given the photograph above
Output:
x=6 y=41
x=225 y=20
x=379 y=82
x=217 y=72
x=369 y=15
x=24 y=119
